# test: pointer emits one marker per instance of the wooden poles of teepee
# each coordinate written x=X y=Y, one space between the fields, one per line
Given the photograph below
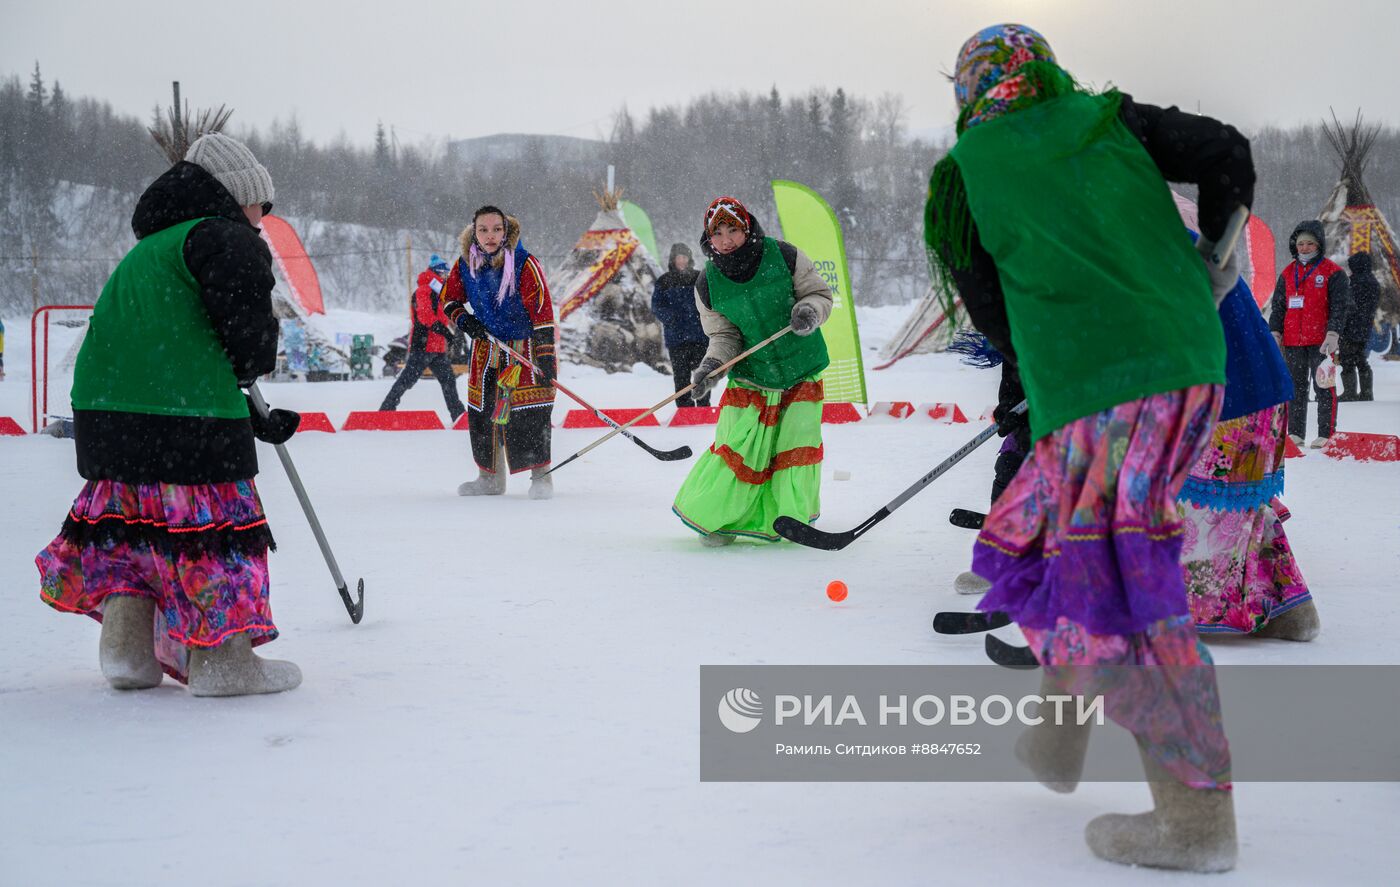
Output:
x=177 y=129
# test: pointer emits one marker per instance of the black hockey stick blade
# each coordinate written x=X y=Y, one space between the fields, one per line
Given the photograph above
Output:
x=356 y=609
x=1008 y=655
x=675 y=455
x=968 y=520
x=794 y=530
x=969 y=623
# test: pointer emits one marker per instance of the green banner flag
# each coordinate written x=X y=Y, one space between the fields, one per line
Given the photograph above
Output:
x=640 y=223
x=809 y=224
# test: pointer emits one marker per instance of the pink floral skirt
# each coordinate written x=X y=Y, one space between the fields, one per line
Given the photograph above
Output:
x=198 y=550
x=1239 y=568
x=1083 y=552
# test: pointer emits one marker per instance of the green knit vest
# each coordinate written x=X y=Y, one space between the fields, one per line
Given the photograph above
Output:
x=1108 y=300
x=759 y=309
x=150 y=347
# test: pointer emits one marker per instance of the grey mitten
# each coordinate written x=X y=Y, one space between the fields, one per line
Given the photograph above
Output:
x=805 y=318
x=1222 y=277
x=701 y=377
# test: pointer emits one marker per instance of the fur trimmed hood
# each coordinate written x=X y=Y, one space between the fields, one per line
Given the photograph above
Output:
x=468 y=237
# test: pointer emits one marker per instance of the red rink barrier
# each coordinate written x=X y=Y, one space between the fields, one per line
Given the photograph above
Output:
x=947 y=413
x=315 y=422
x=839 y=413
x=394 y=420
x=10 y=426
x=694 y=416
x=1363 y=447
x=586 y=419
x=891 y=409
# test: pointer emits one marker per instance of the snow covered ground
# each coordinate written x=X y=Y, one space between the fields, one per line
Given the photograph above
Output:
x=519 y=704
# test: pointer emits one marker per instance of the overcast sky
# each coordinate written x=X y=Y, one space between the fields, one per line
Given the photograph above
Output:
x=432 y=68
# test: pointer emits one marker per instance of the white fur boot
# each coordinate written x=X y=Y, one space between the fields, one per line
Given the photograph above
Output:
x=541 y=483
x=1191 y=829
x=488 y=483
x=970 y=583
x=231 y=669
x=127 y=650
x=1054 y=752
x=1299 y=624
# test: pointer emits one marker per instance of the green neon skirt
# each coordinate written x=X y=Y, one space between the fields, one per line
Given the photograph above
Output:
x=766 y=462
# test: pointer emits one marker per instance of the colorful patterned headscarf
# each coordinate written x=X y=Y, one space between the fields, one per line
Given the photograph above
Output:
x=986 y=81
x=727 y=211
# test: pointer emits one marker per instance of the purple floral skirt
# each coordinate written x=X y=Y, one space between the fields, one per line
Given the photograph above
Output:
x=198 y=550
x=1083 y=552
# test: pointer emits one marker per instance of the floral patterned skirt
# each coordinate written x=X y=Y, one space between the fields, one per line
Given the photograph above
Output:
x=1083 y=551
x=1239 y=568
x=198 y=550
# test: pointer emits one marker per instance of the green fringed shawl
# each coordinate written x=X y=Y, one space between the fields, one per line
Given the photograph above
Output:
x=947 y=217
x=1107 y=298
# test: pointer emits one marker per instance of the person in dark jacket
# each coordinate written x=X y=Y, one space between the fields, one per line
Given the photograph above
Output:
x=1306 y=317
x=427 y=342
x=1365 y=298
x=673 y=303
x=168 y=530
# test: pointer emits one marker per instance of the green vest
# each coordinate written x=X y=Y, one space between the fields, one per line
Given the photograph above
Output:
x=759 y=309
x=1108 y=300
x=150 y=347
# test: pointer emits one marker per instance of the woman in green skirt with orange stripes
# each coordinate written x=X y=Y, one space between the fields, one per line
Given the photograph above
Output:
x=766 y=458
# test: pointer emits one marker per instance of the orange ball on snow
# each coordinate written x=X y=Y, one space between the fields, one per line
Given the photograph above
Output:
x=836 y=590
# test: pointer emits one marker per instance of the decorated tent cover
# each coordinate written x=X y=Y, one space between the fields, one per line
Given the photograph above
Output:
x=295 y=265
x=1352 y=221
x=608 y=249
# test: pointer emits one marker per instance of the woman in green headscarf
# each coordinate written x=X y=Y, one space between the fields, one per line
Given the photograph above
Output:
x=1052 y=220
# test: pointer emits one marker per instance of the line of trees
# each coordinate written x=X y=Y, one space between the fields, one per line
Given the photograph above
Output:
x=70 y=169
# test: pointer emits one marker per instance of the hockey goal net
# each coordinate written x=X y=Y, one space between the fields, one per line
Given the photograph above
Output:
x=55 y=334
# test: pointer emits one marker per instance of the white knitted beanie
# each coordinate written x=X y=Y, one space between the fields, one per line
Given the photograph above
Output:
x=229 y=160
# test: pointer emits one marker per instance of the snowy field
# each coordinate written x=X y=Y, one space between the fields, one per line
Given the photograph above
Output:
x=519 y=704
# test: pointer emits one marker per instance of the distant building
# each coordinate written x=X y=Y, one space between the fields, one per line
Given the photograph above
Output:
x=559 y=152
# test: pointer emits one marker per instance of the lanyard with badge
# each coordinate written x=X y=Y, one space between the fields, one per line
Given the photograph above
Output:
x=1296 y=300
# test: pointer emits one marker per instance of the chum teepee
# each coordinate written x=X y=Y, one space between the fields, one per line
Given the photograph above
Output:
x=1352 y=221
x=927 y=330
x=602 y=292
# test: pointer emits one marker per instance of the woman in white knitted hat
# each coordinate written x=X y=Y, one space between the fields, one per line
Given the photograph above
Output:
x=167 y=543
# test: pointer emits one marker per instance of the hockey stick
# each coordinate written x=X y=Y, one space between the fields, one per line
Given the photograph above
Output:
x=356 y=609
x=968 y=520
x=969 y=623
x=678 y=453
x=1009 y=655
x=808 y=535
x=622 y=429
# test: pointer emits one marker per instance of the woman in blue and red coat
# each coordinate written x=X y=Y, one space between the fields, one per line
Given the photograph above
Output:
x=427 y=343
x=496 y=292
x=1307 y=315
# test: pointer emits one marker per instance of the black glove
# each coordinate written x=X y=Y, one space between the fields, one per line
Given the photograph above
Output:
x=701 y=377
x=549 y=366
x=464 y=320
x=804 y=318
x=277 y=428
x=1009 y=422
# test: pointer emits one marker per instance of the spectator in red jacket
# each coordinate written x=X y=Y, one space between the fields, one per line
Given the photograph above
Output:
x=427 y=342
x=1308 y=313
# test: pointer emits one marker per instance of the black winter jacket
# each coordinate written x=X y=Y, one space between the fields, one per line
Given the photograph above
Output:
x=233 y=266
x=1365 y=298
x=1186 y=148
